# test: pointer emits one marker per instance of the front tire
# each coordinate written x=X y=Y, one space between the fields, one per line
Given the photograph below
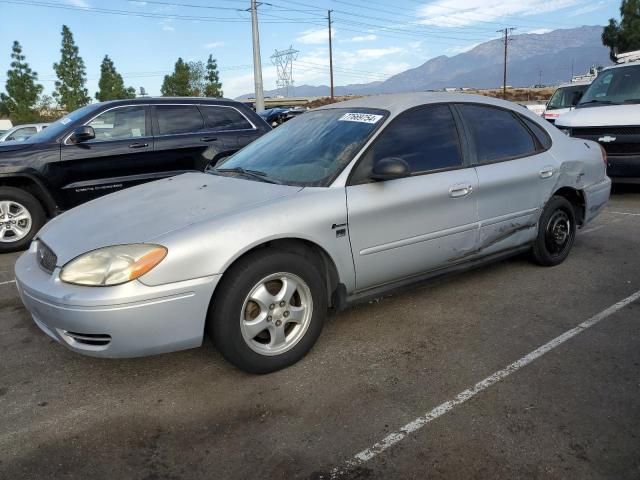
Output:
x=21 y=216
x=268 y=311
x=556 y=232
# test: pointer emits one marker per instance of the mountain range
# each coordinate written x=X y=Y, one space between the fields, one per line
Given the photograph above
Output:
x=556 y=54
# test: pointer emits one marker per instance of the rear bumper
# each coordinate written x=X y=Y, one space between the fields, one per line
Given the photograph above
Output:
x=596 y=197
x=127 y=320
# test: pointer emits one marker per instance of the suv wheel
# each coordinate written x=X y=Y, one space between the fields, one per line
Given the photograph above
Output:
x=556 y=232
x=268 y=311
x=21 y=216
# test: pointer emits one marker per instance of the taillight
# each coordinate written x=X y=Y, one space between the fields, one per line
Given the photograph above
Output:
x=604 y=154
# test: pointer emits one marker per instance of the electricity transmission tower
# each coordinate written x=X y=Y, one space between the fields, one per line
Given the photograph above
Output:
x=283 y=60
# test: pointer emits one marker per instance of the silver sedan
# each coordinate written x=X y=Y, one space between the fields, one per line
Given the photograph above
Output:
x=338 y=205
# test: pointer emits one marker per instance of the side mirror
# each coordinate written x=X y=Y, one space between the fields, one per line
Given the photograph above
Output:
x=389 y=169
x=83 y=134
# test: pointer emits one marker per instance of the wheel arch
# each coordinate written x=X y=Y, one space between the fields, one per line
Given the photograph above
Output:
x=306 y=248
x=577 y=199
x=32 y=185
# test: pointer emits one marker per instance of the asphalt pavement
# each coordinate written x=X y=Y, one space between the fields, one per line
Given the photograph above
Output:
x=572 y=411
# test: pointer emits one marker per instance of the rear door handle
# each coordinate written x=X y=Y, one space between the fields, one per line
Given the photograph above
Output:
x=138 y=145
x=458 y=191
x=547 y=172
x=208 y=139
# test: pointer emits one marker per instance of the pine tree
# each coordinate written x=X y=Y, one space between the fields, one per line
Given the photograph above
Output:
x=178 y=83
x=111 y=84
x=213 y=87
x=623 y=36
x=197 y=79
x=70 y=89
x=22 y=89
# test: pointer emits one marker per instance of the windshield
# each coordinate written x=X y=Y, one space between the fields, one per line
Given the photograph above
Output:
x=57 y=128
x=614 y=86
x=310 y=150
x=566 y=97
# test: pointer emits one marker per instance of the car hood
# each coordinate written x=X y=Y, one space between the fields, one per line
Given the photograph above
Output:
x=603 y=116
x=143 y=213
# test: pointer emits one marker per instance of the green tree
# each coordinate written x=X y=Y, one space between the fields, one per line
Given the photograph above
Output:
x=197 y=80
x=178 y=84
x=111 y=84
x=623 y=36
x=22 y=89
x=70 y=90
x=213 y=86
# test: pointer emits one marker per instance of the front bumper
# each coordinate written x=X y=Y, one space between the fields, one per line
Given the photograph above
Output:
x=624 y=168
x=596 y=197
x=128 y=320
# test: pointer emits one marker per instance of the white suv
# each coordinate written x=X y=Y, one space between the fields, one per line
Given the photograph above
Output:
x=609 y=113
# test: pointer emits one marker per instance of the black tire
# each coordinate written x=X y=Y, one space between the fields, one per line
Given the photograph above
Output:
x=556 y=232
x=33 y=206
x=224 y=317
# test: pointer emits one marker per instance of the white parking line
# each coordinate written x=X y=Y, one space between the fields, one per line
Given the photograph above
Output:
x=7 y=282
x=625 y=213
x=395 y=437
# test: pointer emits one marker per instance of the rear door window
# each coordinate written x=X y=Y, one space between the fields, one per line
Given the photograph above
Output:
x=176 y=119
x=496 y=133
x=224 y=118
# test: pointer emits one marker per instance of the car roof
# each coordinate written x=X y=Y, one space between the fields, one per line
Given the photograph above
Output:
x=622 y=65
x=397 y=103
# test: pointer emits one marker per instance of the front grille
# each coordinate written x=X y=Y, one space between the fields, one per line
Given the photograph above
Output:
x=591 y=131
x=46 y=258
x=91 y=339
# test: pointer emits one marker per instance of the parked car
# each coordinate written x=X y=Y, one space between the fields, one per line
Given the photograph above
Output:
x=564 y=99
x=5 y=124
x=609 y=113
x=22 y=132
x=383 y=191
x=277 y=116
x=109 y=146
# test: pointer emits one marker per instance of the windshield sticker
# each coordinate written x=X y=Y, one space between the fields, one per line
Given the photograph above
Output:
x=360 y=117
x=65 y=120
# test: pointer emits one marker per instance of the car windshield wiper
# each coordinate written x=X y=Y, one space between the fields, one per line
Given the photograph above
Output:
x=248 y=173
x=632 y=100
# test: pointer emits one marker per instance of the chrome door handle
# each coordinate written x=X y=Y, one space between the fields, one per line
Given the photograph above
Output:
x=458 y=191
x=138 y=145
x=547 y=172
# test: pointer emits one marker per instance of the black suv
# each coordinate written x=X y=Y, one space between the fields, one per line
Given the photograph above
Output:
x=105 y=147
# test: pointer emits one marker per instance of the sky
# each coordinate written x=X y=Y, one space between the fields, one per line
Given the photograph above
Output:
x=372 y=39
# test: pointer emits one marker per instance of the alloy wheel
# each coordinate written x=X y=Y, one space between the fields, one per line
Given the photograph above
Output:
x=15 y=221
x=276 y=313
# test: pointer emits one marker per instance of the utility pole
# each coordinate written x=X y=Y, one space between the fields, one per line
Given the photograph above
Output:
x=257 y=66
x=506 y=32
x=330 y=52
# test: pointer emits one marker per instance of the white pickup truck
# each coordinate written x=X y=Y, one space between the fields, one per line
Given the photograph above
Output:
x=609 y=113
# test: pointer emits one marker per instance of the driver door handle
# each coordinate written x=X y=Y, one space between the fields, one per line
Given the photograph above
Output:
x=208 y=139
x=458 y=191
x=138 y=145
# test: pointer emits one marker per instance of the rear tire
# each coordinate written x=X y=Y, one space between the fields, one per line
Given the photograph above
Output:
x=21 y=216
x=556 y=232
x=268 y=311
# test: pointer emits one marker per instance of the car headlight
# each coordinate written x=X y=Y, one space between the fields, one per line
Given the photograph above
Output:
x=112 y=265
